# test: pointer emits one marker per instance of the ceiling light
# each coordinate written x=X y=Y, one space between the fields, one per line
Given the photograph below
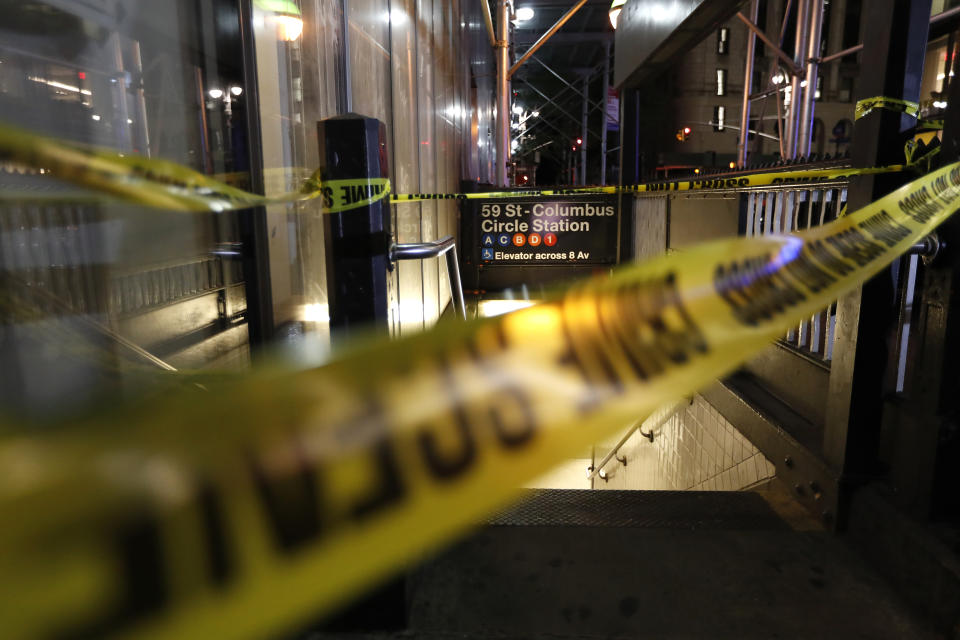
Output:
x=215 y=93
x=236 y=90
x=523 y=14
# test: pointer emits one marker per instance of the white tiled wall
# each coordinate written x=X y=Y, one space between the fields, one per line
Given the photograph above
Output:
x=694 y=449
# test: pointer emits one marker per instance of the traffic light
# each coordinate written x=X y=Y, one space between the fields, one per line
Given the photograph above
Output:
x=683 y=133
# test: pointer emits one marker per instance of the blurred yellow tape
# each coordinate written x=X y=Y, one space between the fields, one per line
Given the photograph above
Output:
x=160 y=183
x=255 y=508
x=867 y=105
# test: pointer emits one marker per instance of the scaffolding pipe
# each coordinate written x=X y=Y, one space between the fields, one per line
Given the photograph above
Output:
x=757 y=31
x=542 y=40
x=840 y=54
x=583 y=126
x=603 y=131
x=808 y=105
x=792 y=130
x=503 y=92
x=488 y=19
x=747 y=87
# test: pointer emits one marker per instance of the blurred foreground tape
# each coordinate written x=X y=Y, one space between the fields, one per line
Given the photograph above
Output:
x=248 y=511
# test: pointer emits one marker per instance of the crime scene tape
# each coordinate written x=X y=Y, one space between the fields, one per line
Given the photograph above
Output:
x=251 y=510
x=164 y=184
x=867 y=105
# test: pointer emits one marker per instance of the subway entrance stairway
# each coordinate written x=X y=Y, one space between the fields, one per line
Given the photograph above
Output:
x=639 y=564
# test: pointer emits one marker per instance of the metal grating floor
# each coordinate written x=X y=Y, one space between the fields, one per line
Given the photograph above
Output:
x=685 y=510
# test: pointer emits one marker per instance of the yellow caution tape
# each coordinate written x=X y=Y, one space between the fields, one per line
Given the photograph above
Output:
x=867 y=105
x=771 y=178
x=247 y=511
x=164 y=184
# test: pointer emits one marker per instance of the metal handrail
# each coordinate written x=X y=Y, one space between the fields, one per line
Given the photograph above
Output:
x=445 y=246
x=597 y=470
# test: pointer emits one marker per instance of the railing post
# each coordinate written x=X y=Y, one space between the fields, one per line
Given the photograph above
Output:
x=357 y=242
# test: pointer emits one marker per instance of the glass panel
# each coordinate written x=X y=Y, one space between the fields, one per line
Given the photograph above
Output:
x=103 y=297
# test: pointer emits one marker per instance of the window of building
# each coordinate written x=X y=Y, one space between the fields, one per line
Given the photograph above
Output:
x=846 y=90
x=721 y=82
x=719 y=115
x=723 y=41
x=851 y=23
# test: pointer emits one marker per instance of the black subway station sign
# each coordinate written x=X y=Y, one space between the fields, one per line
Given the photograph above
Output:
x=532 y=240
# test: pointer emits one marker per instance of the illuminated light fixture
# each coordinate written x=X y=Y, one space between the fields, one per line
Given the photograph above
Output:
x=517 y=109
x=316 y=312
x=579 y=140
x=395 y=16
x=615 y=8
x=696 y=171
x=939 y=104
x=778 y=79
x=732 y=164
x=60 y=85
x=215 y=93
x=535 y=114
x=236 y=90
x=290 y=27
x=96 y=117
x=490 y=308
x=523 y=14
x=129 y=120
x=287 y=15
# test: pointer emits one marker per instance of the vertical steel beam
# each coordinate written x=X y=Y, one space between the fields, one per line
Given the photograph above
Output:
x=810 y=74
x=254 y=232
x=583 y=126
x=748 y=87
x=792 y=130
x=345 y=101
x=895 y=39
x=503 y=92
x=144 y=131
x=603 y=129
